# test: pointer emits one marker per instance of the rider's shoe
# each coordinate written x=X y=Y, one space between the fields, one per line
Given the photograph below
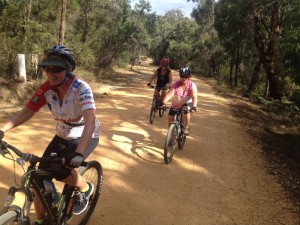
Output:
x=186 y=131
x=81 y=200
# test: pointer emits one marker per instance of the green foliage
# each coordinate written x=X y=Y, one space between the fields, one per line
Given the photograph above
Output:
x=105 y=33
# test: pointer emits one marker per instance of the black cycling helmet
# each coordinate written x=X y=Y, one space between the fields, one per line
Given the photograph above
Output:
x=62 y=52
x=185 y=71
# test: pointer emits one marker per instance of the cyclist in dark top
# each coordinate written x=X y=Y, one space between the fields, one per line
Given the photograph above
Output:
x=163 y=76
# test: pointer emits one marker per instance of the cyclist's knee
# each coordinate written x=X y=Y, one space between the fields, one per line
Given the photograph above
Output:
x=59 y=176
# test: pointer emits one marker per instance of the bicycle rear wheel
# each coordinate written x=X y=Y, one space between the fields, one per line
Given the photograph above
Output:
x=170 y=143
x=9 y=218
x=92 y=174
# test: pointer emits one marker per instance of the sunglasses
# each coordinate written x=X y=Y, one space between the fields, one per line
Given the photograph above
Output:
x=185 y=77
x=53 y=69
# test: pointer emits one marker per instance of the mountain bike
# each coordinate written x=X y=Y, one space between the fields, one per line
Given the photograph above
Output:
x=19 y=200
x=155 y=106
x=175 y=134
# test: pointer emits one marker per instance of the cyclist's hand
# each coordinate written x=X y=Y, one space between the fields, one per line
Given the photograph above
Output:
x=74 y=159
x=162 y=105
x=193 y=109
x=166 y=87
x=1 y=134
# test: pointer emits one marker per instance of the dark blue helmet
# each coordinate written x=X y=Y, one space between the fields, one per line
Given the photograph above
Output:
x=185 y=71
x=62 y=52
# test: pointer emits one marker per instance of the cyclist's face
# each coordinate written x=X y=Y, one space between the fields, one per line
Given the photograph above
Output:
x=55 y=74
x=184 y=79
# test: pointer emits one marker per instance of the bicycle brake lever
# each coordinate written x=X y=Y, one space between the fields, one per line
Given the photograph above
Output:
x=20 y=161
x=3 y=148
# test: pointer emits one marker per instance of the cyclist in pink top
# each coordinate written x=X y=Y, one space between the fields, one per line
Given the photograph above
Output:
x=184 y=93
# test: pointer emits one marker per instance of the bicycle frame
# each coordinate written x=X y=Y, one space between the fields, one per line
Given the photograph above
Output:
x=178 y=120
x=33 y=179
x=175 y=135
x=160 y=95
x=31 y=184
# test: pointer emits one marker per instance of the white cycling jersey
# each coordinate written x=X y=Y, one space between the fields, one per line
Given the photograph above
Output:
x=68 y=114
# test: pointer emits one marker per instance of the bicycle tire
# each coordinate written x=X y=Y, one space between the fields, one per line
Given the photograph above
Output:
x=152 y=111
x=161 y=112
x=9 y=218
x=93 y=174
x=181 y=140
x=170 y=143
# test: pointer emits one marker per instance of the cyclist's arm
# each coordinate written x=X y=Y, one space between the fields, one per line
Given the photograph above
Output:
x=153 y=77
x=169 y=94
x=19 y=118
x=89 y=117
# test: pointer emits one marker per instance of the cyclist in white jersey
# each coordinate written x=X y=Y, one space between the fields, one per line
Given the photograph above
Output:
x=71 y=103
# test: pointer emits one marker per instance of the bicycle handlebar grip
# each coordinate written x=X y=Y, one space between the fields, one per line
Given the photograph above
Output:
x=84 y=164
x=17 y=151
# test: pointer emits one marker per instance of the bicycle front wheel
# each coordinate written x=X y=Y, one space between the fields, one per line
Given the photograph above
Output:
x=153 y=110
x=181 y=140
x=9 y=218
x=152 y=115
x=92 y=174
x=170 y=143
x=161 y=112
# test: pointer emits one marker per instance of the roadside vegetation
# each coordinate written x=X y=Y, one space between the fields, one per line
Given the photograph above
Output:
x=251 y=48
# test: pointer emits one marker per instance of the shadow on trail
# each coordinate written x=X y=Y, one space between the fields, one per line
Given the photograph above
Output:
x=281 y=150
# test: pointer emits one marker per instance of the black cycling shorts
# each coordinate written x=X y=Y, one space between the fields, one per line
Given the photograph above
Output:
x=61 y=147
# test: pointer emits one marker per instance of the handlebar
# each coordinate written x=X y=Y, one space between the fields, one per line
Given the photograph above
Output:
x=31 y=158
x=151 y=86
x=163 y=88
x=178 y=110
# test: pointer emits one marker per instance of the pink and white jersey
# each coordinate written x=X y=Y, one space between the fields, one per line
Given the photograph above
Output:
x=182 y=96
x=68 y=114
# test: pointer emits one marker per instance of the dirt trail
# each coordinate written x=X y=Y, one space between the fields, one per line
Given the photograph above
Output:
x=219 y=178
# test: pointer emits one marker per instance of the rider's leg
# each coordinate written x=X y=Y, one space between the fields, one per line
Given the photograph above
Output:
x=39 y=208
x=156 y=92
x=186 y=119
x=75 y=179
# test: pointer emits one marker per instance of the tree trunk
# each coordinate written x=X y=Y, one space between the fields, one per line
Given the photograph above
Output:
x=62 y=29
x=237 y=62
x=254 y=78
x=268 y=51
x=86 y=11
x=230 y=75
x=26 y=21
x=213 y=64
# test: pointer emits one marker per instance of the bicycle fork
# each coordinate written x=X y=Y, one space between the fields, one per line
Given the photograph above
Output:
x=19 y=200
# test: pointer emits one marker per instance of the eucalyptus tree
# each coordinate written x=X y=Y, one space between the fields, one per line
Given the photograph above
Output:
x=290 y=48
x=233 y=25
x=206 y=45
x=26 y=26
